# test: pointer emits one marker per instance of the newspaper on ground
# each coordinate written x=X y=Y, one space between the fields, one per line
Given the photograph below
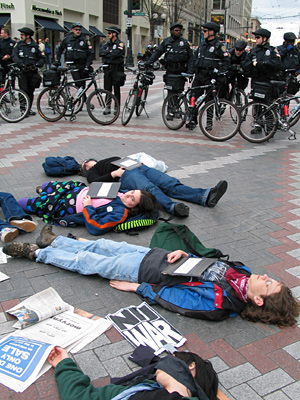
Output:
x=23 y=354
x=3 y=256
x=143 y=325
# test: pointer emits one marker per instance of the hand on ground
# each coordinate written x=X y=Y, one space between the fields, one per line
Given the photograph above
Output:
x=57 y=354
x=124 y=285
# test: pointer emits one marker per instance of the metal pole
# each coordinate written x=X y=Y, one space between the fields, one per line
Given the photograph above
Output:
x=205 y=20
x=225 y=30
x=175 y=11
x=129 y=57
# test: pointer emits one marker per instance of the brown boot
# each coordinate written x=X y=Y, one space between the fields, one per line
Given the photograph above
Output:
x=46 y=237
x=16 y=249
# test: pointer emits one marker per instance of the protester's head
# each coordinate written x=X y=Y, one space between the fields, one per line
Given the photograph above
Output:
x=261 y=36
x=202 y=371
x=87 y=165
x=5 y=32
x=146 y=205
x=274 y=304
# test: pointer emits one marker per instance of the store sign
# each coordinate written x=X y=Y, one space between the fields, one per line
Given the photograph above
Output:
x=5 y=6
x=46 y=10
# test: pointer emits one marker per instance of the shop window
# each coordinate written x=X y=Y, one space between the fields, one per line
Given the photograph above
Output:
x=111 y=11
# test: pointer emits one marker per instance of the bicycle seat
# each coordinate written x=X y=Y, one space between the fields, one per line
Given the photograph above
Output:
x=174 y=76
x=186 y=75
x=62 y=69
x=277 y=83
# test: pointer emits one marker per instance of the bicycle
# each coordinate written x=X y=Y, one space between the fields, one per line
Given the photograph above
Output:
x=236 y=95
x=54 y=103
x=219 y=119
x=137 y=96
x=261 y=120
x=14 y=103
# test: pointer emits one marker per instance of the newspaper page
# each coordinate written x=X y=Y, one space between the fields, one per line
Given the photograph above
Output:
x=38 y=307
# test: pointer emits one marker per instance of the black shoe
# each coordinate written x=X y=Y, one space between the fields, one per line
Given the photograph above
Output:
x=256 y=131
x=191 y=125
x=181 y=210
x=16 y=249
x=107 y=111
x=46 y=237
x=169 y=117
x=216 y=193
x=92 y=107
x=31 y=112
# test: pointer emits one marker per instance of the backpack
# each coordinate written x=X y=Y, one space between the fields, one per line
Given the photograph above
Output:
x=135 y=224
x=61 y=166
x=173 y=237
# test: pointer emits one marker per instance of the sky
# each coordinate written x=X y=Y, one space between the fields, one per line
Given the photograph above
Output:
x=278 y=16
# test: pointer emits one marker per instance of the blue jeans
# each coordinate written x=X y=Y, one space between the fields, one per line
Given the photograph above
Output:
x=48 y=61
x=109 y=259
x=11 y=210
x=161 y=186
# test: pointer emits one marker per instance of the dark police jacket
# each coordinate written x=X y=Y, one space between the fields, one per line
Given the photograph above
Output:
x=290 y=59
x=28 y=54
x=211 y=54
x=6 y=47
x=178 y=54
x=113 y=52
x=268 y=62
x=78 y=49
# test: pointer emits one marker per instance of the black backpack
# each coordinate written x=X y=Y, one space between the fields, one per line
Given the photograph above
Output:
x=61 y=166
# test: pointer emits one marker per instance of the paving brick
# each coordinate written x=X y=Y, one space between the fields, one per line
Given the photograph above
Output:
x=116 y=367
x=196 y=345
x=30 y=393
x=244 y=392
x=114 y=350
x=270 y=382
x=278 y=395
x=113 y=335
x=238 y=375
x=90 y=364
x=287 y=363
x=47 y=388
x=258 y=359
x=218 y=364
x=292 y=391
x=101 y=382
x=274 y=342
x=293 y=350
x=227 y=353
x=4 y=393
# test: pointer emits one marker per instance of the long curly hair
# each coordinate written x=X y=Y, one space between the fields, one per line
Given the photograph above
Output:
x=148 y=206
x=280 y=309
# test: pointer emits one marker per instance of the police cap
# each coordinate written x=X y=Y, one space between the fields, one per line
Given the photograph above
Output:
x=176 y=25
x=262 y=32
x=289 y=36
x=26 y=30
x=76 y=25
x=212 y=26
x=115 y=29
x=240 y=44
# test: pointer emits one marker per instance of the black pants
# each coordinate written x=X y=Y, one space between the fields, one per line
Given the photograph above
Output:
x=79 y=75
x=25 y=84
x=110 y=79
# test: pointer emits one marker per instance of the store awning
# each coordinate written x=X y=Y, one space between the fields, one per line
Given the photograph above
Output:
x=95 y=31
x=4 y=18
x=68 y=26
x=49 y=24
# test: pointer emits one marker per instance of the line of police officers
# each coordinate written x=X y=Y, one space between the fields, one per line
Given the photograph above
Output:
x=211 y=59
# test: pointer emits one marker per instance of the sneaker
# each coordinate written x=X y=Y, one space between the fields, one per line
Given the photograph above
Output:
x=46 y=237
x=26 y=224
x=16 y=249
x=169 y=117
x=216 y=193
x=38 y=189
x=8 y=234
x=31 y=112
x=181 y=210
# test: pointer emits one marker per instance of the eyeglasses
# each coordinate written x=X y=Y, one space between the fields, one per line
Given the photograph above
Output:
x=258 y=37
x=77 y=29
x=239 y=49
x=205 y=30
x=109 y=33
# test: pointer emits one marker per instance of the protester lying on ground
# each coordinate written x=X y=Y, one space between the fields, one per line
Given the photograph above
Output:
x=202 y=370
x=16 y=220
x=223 y=290
x=68 y=204
x=161 y=185
x=173 y=380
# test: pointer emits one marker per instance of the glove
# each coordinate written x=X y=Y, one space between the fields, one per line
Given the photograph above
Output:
x=290 y=46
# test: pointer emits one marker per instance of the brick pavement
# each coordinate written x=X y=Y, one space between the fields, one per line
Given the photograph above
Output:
x=257 y=222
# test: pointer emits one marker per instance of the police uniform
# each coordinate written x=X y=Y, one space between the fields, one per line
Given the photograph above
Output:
x=79 y=50
x=113 y=54
x=29 y=57
x=178 y=56
x=236 y=69
x=6 y=48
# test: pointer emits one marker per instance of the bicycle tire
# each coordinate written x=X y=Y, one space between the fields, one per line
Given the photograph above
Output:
x=223 y=127
x=129 y=106
x=259 y=123
x=174 y=110
x=240 y=99
x=14 y=105
x=103 y=107
x=141 y=101
x=292 y=104
x=72 y=89
x=51 y=104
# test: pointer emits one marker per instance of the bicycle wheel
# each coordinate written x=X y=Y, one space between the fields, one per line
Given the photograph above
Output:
x=258 y=123
x=292 y=104
x=129 y=106
x=240 y=99
x=220 y=123
x=71 y=91
x=14 y=105
x=174 y=111
x=51 y=105
x=141 y=101
x=103 y=107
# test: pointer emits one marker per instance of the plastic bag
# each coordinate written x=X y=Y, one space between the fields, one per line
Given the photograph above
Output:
x=149 y=161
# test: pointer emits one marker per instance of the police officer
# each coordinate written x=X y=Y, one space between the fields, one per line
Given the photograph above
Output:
x=27 y=55
x=178 y=56
x=79 y=50
x=212 y=60
x=290 y=59
x=262 y=62
x=113 y=54
x=235 y=70
x=6 y=48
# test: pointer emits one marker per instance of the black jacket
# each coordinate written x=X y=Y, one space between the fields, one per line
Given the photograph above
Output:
x=78 y=49
x=290 y=59
x=6 y=47
x=113 y=52
x=268 y=62
x=210 y=55
x=28 y=54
